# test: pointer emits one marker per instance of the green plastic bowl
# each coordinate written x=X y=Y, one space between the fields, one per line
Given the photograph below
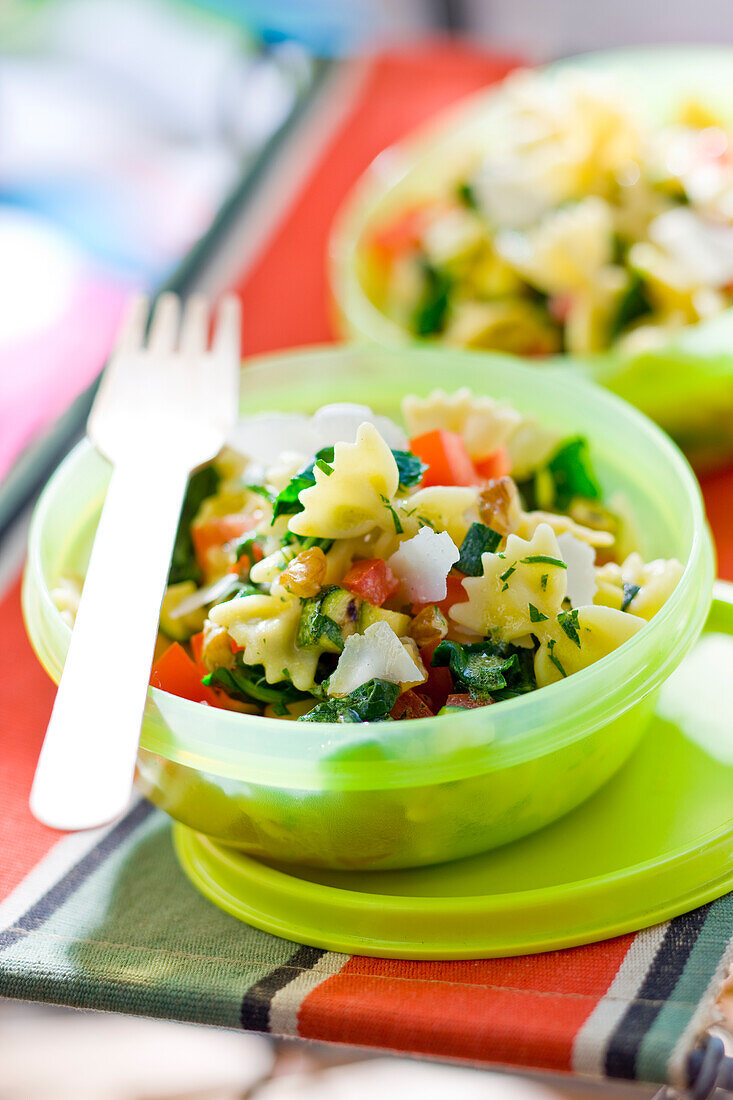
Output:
x=687 y=386
x=421 y=791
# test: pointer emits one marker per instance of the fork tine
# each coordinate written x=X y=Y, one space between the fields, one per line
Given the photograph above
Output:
x=132 y=332
x=164 y=325
x=195 y=325
x=227 y=336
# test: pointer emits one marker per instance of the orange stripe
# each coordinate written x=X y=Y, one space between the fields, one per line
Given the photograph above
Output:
x=26 y=697
x=473 y=1010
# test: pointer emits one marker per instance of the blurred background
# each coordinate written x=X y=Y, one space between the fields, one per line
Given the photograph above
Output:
x=125 y=125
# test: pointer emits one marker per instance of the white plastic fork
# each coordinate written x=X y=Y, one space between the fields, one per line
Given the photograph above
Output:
x=162 y=409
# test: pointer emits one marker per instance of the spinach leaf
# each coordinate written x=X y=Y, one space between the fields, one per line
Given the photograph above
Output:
x=479 y=540
x=204 y=483
x=287 y=502
x=572 y=473
x=371 y=702
x=633 y=304
x=430 y=315
x=410 y=467
x=487 y=668
x=248 y=682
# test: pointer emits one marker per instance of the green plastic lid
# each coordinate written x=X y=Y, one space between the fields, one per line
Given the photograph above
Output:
x=654 y=842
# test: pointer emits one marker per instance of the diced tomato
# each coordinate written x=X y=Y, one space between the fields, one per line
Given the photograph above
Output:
x=456 y=593
x=216 y=532
x=411 y=705
x=466 y=702
x=448 y=462
x=493 y=466
x=371 y=579
x=401 y=235
x=176 y=673
x=559 y=306
x=256 y=553
x=439 y=683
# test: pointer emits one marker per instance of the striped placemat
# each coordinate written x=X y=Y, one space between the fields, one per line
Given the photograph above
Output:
x=106 y=920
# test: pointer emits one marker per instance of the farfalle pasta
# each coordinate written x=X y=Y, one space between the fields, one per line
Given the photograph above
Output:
x=577 y=226
x=378 y=575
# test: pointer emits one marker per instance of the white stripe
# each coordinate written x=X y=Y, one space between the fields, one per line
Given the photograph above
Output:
x=284 y=178
x=591 y=1042
x=285 y=1005
x=64 y=855
x=707 y=1015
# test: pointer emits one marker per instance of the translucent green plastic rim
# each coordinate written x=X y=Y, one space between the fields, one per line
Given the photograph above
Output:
x=245 y=747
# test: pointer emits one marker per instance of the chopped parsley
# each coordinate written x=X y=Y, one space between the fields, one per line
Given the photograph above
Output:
x=568 y=620
x=391 y=509
x=543 y=559
x=371 y=702
x=535 y=615
x=508 y=572
x=479 y=540
x=543 y=581
x=631 y=591
x=554 y=659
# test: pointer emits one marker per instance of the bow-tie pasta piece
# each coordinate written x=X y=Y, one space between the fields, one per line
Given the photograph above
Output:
x=484 y=424
x=451 y=508
x=519 y=589
x=352 y=495
x=579 y=638
x=266 y=627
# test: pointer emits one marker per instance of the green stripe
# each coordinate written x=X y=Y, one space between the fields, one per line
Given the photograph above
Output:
x=136 y=937
x=673 y=1019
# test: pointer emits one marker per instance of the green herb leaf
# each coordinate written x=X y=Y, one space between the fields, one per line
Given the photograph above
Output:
x=288 y=501
x=479 y=540
x=543 y=581
x=410 y=468
x=507 y=574
x=551 y=650
x=465 y=194
x=487 y=668
x=568 y=620
x=430 y=315
x=324 y=467
x=632 y=305
x=248 y=682
x=201 y=485
x=262 y=491
x=572 y=474
x=631 y=591
x=371 y=702
x=245 y=549
x=543 y=559
x=391 y=509
x=535 y=615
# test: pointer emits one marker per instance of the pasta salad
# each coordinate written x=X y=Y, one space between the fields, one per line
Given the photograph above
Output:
x=580 y=228
x=335 y=568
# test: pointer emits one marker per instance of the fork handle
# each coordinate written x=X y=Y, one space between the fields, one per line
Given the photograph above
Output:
x=87 y=763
